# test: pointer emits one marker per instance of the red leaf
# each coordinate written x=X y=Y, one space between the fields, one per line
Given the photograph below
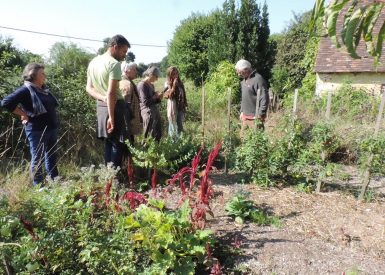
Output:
x=28 y=226
x=135 y=199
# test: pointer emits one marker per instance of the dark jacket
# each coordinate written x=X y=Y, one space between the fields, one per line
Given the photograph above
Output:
x=249 y=88
x=22 y=97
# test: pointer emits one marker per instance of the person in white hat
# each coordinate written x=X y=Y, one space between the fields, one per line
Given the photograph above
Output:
x=253 y=86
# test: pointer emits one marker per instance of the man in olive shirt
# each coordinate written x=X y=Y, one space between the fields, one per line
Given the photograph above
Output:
x=253 y=86
x=103 y=76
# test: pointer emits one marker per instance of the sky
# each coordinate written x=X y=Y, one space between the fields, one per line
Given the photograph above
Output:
x=142 y=22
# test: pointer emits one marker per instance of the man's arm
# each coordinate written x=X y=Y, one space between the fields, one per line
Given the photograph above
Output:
x=92 y=92
x=111 y=101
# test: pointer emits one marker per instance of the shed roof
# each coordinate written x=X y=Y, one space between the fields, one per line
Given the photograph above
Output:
x=332 y=60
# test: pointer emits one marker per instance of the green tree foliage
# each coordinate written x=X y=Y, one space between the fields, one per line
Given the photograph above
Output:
x=217 y=85
x=69 y=57
x=130 y=57
x=164 y=64
x=222 y=42
x=289 y=71
x=188 y=49
x=67 y=77
x=359 y=20
x=242 y=33
x=103 y=49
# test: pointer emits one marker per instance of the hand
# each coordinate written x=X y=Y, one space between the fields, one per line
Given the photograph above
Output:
x=241 y=115
x=24 y=119
x=110 y=126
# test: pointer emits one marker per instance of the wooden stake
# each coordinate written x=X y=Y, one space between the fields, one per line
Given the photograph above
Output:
x=295 y=102
x=366 y=179
x=328 y=106
x=228 y=129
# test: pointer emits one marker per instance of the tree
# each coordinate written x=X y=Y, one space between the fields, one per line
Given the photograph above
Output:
x=69 y=58
x=359 y=20
x=288 y=70
x=130 y=57
x=221 y=44
x=103 y=49
x=141 y=68
x=188 y=50
x=242 y=33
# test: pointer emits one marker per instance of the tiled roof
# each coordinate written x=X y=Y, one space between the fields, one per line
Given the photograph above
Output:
x=330 y=59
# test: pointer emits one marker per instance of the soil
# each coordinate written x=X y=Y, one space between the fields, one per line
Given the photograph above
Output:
x=326 y=233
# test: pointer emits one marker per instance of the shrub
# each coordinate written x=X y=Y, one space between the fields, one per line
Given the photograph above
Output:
x=219 y=81
x=81 y=226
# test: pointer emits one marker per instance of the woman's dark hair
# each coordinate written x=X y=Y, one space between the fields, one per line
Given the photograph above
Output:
x=30 y=71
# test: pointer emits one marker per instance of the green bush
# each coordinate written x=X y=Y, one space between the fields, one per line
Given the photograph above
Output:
x=252 y=157
x=352 y=103
x=219 y=81
x=373 y=149
x=81 y=227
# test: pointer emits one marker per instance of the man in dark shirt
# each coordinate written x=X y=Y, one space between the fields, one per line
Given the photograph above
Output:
x=253 y=88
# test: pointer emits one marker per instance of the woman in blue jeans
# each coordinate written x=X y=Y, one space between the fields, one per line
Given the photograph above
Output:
x=36 y=106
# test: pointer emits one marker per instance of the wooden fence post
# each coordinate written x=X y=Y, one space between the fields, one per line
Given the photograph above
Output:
x=328 y=106
x=295 y=102
x=228 y=130
x=366 y=179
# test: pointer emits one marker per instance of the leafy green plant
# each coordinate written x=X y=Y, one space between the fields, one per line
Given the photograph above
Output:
x=166 y=155
x=218 y=83
x=285 y=150
x=352 y=103
x=244 y=209
x=252 y=157
x=372 y=148
x=313 y=161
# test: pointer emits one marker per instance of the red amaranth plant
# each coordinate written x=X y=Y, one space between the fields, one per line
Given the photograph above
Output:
x=205 y=188
x=199 y=203
x=130 y=170
x=107 y=192
x=216 y=269
x=28 y=226
x=135 y=199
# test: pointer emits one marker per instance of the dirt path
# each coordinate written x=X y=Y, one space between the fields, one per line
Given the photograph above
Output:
x=328 y=233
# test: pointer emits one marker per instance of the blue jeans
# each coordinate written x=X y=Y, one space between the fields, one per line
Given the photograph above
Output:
x=42 y=145
x=114 y=152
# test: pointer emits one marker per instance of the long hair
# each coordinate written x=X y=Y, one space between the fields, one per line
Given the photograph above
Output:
x=170 y=71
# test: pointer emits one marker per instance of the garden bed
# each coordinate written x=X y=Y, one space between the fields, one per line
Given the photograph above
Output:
x=327 y=233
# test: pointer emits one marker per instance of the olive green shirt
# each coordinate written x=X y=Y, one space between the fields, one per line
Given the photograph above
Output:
x=101 y=69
